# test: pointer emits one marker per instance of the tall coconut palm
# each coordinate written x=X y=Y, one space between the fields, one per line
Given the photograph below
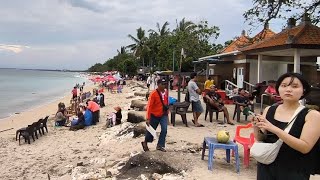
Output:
x=139 y=47
x=122 y=50
x=184 y=26
x=163 y=31
x=155 y=38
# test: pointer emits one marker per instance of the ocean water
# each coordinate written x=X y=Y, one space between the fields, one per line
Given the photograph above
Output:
x=21 y=90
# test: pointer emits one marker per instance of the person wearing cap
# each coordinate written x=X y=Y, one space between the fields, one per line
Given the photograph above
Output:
x=194 y=93
x=215 y=101
x=157 y=113
x=95 y=109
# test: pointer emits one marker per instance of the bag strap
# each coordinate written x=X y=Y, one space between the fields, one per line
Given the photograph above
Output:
x=160 y=97
x=293 y=118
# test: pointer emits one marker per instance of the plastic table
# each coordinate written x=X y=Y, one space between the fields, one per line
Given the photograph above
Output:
x=213 y=144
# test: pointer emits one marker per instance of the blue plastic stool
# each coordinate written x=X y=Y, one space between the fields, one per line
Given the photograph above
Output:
x=213 y=144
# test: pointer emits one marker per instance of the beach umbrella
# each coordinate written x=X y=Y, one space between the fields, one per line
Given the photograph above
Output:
x=110 y=78
x=117 y=77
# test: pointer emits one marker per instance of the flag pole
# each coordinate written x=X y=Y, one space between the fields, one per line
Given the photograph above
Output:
x=179 y=79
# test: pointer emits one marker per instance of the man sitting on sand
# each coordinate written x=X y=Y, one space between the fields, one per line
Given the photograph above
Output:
x=215 y=101
x=95 y=109
x=87 y=114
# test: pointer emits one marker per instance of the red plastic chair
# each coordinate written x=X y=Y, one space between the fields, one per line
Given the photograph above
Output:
x=247 y=142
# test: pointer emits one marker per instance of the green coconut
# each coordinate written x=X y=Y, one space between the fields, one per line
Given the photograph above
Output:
x=223 y=136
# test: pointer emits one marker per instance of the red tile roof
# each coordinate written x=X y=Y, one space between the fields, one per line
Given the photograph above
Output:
x=244 y=40
x=236 y=44
x=305 y=34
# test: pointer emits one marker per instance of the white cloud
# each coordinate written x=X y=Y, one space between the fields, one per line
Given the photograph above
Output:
x=76 y=34
x=12 y=48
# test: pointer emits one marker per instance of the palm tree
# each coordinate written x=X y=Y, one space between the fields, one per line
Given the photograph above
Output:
x=155 y=38
x=122 y=50
x=139 y=46
x=163 y=31
x=184 y=26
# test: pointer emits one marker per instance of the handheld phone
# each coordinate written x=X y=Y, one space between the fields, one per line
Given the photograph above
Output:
x=252 y=113
x=254 y=116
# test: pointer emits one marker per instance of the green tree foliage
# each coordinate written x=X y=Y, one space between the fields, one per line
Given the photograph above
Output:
x=160 y=48
x=139 y=46
x=263 y=11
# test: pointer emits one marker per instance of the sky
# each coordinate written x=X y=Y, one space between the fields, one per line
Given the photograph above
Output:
x=76 y=34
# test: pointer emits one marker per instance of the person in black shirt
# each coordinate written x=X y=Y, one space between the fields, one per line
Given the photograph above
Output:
x=243 y=101
x=299 y=154
x=215 y=101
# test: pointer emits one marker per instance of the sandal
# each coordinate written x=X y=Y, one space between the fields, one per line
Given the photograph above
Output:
x=161 y=149
x=144 y=146
x=200 y=125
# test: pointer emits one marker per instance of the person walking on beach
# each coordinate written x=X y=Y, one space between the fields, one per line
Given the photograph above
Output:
x=299 y=154
x=149 y=81
x=157 y=113
x=74 y=92
x=194 y=93
x=95 y=109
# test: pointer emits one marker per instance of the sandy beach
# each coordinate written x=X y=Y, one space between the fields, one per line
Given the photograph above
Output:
x=98 y=152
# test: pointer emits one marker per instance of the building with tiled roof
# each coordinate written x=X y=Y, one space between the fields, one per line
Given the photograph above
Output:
x=268 y=55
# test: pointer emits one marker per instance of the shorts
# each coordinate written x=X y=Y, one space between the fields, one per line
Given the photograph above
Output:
x=148 y=85
x=196 y=106
x=218 y=108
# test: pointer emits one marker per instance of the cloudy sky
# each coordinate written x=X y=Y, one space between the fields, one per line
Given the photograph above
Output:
x=75 y=34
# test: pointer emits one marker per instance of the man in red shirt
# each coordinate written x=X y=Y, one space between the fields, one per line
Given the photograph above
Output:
x=157 y=113
x=95 y=109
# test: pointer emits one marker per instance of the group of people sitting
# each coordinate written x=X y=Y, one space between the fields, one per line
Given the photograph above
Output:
x=244 y=100
x=87 y=115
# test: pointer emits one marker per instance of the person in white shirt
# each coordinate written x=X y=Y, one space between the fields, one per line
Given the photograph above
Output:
x=149 y=81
